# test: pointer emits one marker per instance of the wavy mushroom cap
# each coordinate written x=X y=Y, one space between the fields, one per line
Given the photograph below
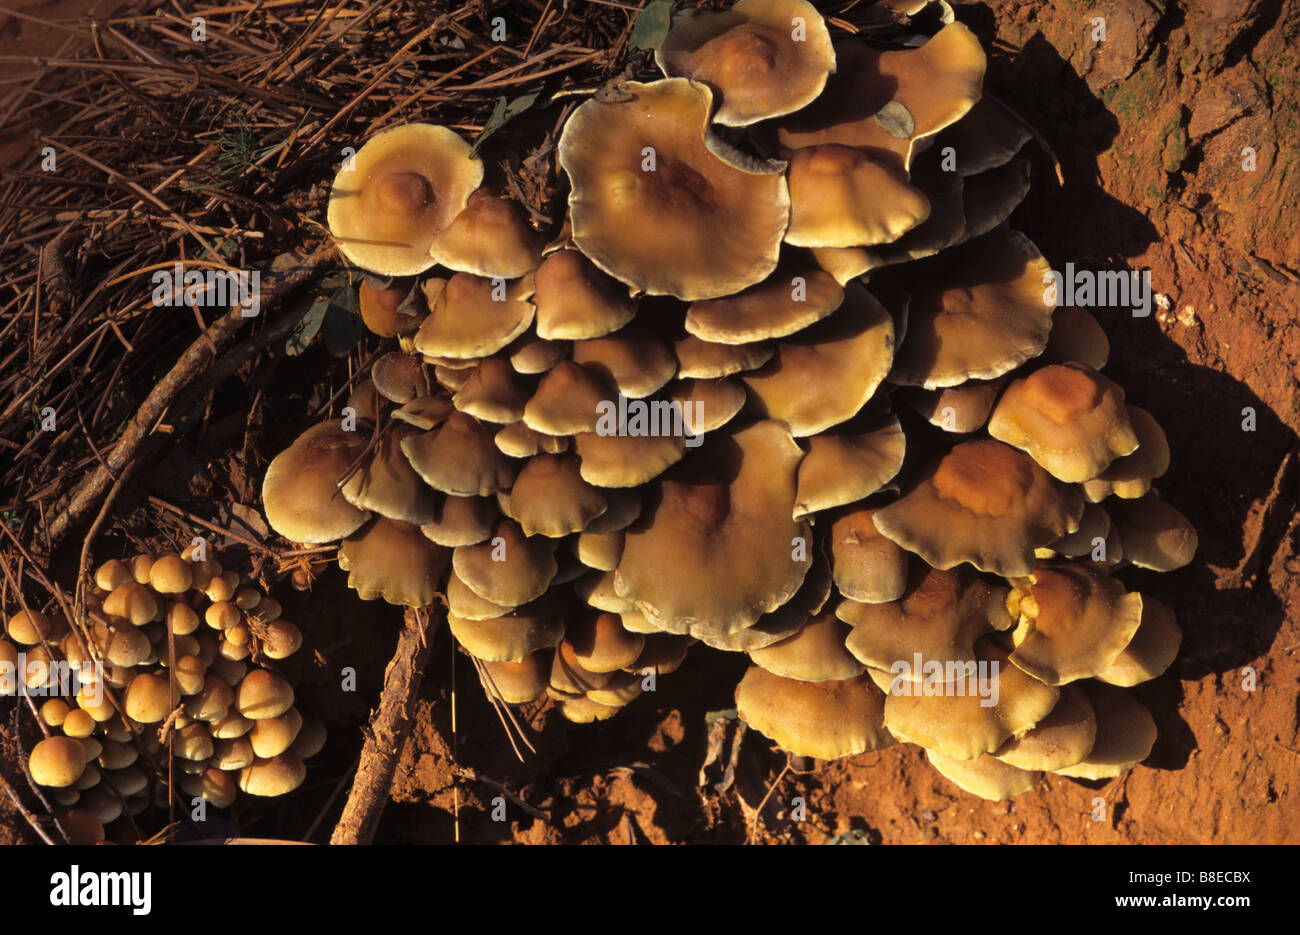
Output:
x=391 y=198
x=1068 y=418
x=1129 y=476
x=464 y=603
x=960 y=409
x=825 y=374
x=716 y=547
x=847 y=467
x=662 y=206
x=519 y=441
x=1153 y=533
x=842 y=197
x=425 y=412
x=624 y=461
x=795 y=296
x=459 y=458
x=1126 y=732
x=784 y=622
x=509 y=569
x=985 y=776
x=474 y=316
x=568 y=400
x=815 y=653
x=461 y=521
x=1061 y=739
x=493 y=393
x=866 y=566
x=300 y=492
x=1151 y=651
x=937 y=83
x=512 y=637
x=395 y=561
x=635 y=363
x=1076 y=335
x=699 y=359
x=985 y=503
x=762 y=58
x=988 y=199
x=550 y=498
x=388 y=485
x=826 y=720
x=976 y=313
x=575 y=300
x=488 y=238
x=1074 y=620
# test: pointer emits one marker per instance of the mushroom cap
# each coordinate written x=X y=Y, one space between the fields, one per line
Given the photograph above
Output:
x=395 y=561
x=1129 y=476
x=846 y=263
x=988 y=136
x=663 y=653
x=300 y=493
x=1076 y=336
x=1069 y=418
x=937 y=83
x=961 y=726
x=531 y=354
x=519 y=441
x=825 y=374
x=632 y=360
x=1074 y=621
x=623 y=461
x=700 y=359
x=866 y=566
x=507 y=569
x=704 y=223
x=569 y=677
x=809 y=601
x=988 y=199
x=1154 y=534
x=621 y=689
x=488 y=238
x=464 y=603
x=750 y=56
x=714 y=547
x=826 y=720
x=388 y=311
x=474 y=316
x=399 y=377
x=597 y=589
x=520 y=682
x=263 y=694
x=795 y=296
x=493 y=393
x=1126 y=733
x=425 y=412
x=985 y=503
x=1150 y=652
x=962 y=408
x=575 y=300
x=402 y=187
x=985 y=776
x=171 y=574
x=977 y=312
x=149 y=698
x=844 y=468
x=582 y=710
x=706 y=405
x=550 y=498
x=842 y=197
x=276 y=776
x=387 y=484
x=272 y=736
x=1061 y=739
x=28 y=627
x=461 y=521
x=512 y=637
x=599 y=550
x=213 y=785
x=1093 y=524
x=567 y=400
x=600 y=642
x=459 y=458
x=940 y=616
x=815 y=653
x=57 y=762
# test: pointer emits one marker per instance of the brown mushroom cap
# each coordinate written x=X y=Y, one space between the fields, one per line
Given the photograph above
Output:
x=1069 y=418
x=599 y=550
x=531 y=354
x=389 y=311
x=600 y=643
x=706 y=405
x=632 y=360
x=28 y=627
x=263 y=694
x=170 y=574
x=984 y=503
x=474 y=316
x=493 y=393
x=985 y=776
x=988 y=136
x=464 y=603
x=1154 y=534
x=575 y=300
x=519 y=441
x=762 y=58
x=1077 y=336
x=568 y=400
x=459 y=458
x=937 y=83
x=1074 y=620
x=1150 y=652
x=1061 y=739
x=461 y=521
x=583 y=710
x=826 y=720
x=815 y=653
x=388 y=485
x=57 y=762
x=621 y=461
x=149 y=698
x=989 y=198
x=395 y=561
x=507 y=569
x=1129 y=477
x=962 y=409
x=848 y=467
x=274 y=777
x=511 y=637
x=825 y=374
x=866 y=566
x=933 y=713
x=550 y=498
x=842 y=197
x=717 y=550
x=1126 y=733
x=402 y=187
x=700 y=225
x=425 y=412
x=700 y=359
x=520 y=682
x=1094 y=524
x=399 y=377
x=795 y=296
x=300 y=492
x=977 y=312
x=940 y=616
x=809 y=601
x=488 y=238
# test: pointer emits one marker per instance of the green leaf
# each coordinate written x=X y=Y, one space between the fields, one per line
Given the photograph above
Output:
x=342 y=327
x=652 y=23
x=726 y=714
x=502 y=114
x=851 y=837
x=308 y=325
x=896 y=120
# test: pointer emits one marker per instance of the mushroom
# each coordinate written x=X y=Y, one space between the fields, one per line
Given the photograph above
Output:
x=1126 y=733
x=1154 y=534
x=474 y=316
x=576 y=301
x=393 y=560
x=866 y=566
x=488 y=238
x=846 y=467
x=57 y=762
x=1150 y=652
x=274 y=777
x=1129 y=476
x=568 y=400
x=550 y=497
x=842 y=197
x=701 y=359
x=984 y=776
x=815 y=653
x=826 y=720
x=795 y=296
x=388 y=311
x=387 y=484
x=1076 y=336
x=1061 y=739
x=396 y=193
x=300 y=492
x=459 y=458
x=963 y=408
x=509 y=569
x=624 y=461
x=659 y=203
x=461 y=521
x=263 y=694
x=519 y=682
x=511 y=637
x=631 y=360
x=493 y=393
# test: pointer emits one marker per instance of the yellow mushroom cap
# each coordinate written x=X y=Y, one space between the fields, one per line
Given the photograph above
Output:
x=131 y=601
x=826 y=720
x=985 y=776
x=575 y=300
x=815 y=653
x=582 y=710
x=1129 y=477
x=795 y=296
x=568 y=400
x=519 y=441
x=663 y=653
x=112 y=573
x=700 y=359
x=213 y=785
x=550 y=498
x=1061 y=739
x=599 y=550
x=1069 y=418
x=493 y=393
x=706 y=405
x=520 y=682
x=395 y=561
x=272 y=736
x=29 y=627
x=866 y=566
x=1074 y=621
x=171 y=574
x=632 y=360
x=531 y=354
x=846 y=467
x=1076 y=336
x=785 y=621
x=842 y=197
x=623 y=461
x=763 y=58
x=387 y=484
x=659 y=204
x=508 y=569
x=963 y=408
x=399 y=377
x=300 y=491
x=461 y=521
x=488 y=238
x=402 y=187
x=388 y=311
x=511 y=637
x=1150 y=652
x=985 y=503
x=82 y=827
x=600 y=642
x=149 y=698
x=277 y=776
x=1154 y=534
x=57 y=762
x=474 y=316
x=825 y=374
x=464 y=603
x=263 y=694
x=459 y=458
x=1126 y=733
x=718 y=549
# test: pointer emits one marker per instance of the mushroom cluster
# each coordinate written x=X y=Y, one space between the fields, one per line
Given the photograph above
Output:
x=784 y=383
x=181 y=659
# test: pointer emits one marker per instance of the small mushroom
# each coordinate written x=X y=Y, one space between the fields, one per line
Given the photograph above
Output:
x=866 y=566
x=985 y=776
x=474 y=316
x=1150 y=652
x=300 y=492
x=1126 y=733
x=550 y=497
x=1154 y=534
x=395 y=561
x=847 y=466
x=575 y=300
x=826 y=720
x=1061 y=739
x=842 y=197
x=488 y=238
x=815 y=653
